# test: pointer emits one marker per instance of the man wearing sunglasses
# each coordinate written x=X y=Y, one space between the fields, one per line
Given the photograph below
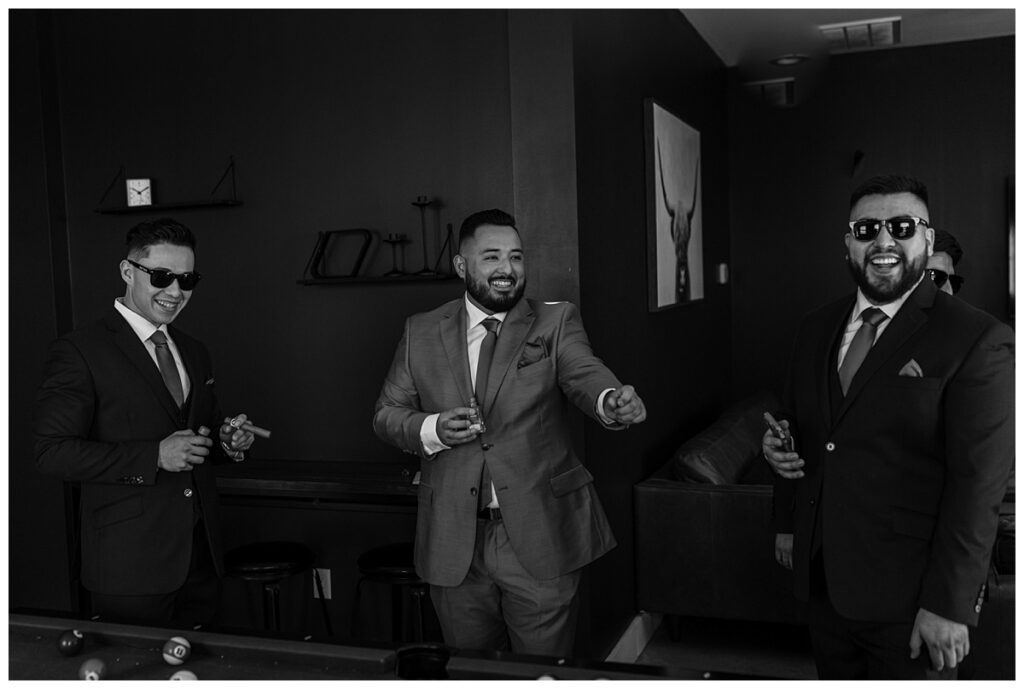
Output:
x=126 y=409
x=900 y=401
x=942 y=263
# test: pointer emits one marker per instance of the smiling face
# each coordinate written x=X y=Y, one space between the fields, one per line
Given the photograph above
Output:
x=158 y=305
x=885 y=268
x=491 y=264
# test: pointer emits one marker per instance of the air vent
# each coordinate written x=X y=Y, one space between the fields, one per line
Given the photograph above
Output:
x=859 y=35
x=777 y=92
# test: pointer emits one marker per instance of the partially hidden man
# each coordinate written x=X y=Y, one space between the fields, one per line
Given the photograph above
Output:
x=900 y=400
x=126 y=409
x=507 y=514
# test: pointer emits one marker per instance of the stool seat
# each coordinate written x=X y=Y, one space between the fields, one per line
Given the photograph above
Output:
x=268 y=561
x=390 y=564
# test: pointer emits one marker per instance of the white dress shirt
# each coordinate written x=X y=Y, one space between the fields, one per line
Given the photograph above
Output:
x=144 y=330
x=890 y=310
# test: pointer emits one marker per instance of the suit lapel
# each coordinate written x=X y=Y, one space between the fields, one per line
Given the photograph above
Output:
x=832 y=331
x=128 y=342
x=453 y=336
x=513 y=332
x=910 y=318
x=188 y=359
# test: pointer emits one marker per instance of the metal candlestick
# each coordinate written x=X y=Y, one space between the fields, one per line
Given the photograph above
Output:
x=395 y=240
x=422 y=202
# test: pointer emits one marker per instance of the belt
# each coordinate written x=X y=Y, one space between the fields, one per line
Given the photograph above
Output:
x=491 y=514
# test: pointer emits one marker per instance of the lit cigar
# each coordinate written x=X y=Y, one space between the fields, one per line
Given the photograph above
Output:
x=249 y=428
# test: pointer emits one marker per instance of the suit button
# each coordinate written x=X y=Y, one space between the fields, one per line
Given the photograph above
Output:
x=977 y=608
x=812 y=502
x=188 y=492
x=830 y=446
x=472 y=491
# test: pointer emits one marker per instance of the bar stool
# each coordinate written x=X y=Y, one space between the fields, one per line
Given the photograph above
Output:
x=393 y=565
x=269 y=563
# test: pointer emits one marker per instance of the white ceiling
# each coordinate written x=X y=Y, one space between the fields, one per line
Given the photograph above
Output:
x=741 y=37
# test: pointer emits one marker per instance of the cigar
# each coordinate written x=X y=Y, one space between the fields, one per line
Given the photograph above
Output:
x=249 y=428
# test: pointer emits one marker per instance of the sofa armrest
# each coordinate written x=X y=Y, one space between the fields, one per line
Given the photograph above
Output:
x=709 y=551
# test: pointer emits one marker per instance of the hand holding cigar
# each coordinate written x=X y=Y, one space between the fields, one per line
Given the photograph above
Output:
x=240 y=423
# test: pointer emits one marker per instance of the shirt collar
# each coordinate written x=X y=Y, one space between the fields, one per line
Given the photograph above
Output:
x=143 y=328
x=890 y=309
x=475 y=316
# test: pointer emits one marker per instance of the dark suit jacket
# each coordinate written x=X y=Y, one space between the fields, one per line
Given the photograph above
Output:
x=100 y=415
x=542 y=359
x=906 y=476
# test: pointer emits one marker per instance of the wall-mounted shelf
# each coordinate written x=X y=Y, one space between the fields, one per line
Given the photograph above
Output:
x=123 y=210
x=379 y=279
x=179 y=205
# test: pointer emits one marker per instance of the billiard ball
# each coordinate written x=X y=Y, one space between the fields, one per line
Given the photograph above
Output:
x=184 y=675
x=177 y=650
x=92 y=669
x=70 y=642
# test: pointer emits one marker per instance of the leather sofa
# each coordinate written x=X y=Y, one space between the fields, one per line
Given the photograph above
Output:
x=704 y=542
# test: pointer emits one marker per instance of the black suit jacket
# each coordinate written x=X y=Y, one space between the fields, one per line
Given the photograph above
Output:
x=905 y=477
x=100 y=415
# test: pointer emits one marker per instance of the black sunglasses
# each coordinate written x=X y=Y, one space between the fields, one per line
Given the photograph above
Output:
x=940 y=277
x=163 y=278
x=902 y=227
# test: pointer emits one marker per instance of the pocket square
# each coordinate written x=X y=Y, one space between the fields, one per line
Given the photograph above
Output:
x=532 y=353
x=912 y=369
x=209 y=382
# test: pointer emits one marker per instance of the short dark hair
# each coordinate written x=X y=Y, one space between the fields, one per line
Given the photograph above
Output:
x=160 y=231
x=886 y=185
x=493 y=216
x=946 y=242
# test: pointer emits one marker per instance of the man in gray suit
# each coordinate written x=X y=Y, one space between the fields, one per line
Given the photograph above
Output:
x=507 y=514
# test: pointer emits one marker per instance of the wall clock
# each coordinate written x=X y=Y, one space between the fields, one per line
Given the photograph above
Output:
x=140 y=192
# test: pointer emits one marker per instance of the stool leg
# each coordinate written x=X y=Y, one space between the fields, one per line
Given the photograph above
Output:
x=271 y=606
x=397 y=618
x=355 y=610
x=417 y=592
x=323 y=601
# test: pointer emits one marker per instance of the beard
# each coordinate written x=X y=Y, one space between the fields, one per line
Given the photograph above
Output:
x=498 y=302
x=887 y=288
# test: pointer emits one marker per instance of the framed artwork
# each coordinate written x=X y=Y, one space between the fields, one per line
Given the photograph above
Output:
x=675 y=241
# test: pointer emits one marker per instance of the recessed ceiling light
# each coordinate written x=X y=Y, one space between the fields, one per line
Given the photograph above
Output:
x=789 y=59
x=866 y=33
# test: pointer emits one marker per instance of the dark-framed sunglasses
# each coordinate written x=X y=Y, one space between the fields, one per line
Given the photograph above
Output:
x=160 y=278
x=902 y=227
x=939 y=277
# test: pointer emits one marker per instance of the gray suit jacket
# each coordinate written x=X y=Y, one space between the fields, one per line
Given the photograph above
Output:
x=542 y=360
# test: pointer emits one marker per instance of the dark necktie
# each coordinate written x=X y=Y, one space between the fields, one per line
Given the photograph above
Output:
x=483 y=362
x=483 y=368
x=860 y=345
x=168 y=370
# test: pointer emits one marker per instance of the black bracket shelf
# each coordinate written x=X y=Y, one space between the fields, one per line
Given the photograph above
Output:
x=154 y=207
x=124 y=210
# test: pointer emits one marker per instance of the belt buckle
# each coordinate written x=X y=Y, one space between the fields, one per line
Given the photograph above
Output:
x=491 y=514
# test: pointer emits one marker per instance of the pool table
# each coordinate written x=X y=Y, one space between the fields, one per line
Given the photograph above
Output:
x=135 y=653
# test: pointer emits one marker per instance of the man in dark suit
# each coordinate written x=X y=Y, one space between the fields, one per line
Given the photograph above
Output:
x=507 y=514
x=900 y=400
x=125 y=409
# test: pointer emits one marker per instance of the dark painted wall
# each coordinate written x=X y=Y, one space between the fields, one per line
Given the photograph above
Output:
x=942 y=113
x=38 y=576
x=336 y=120
x=677 y=359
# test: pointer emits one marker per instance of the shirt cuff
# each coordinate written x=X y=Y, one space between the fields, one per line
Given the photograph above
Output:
x=605 y=419
x=428 y=436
